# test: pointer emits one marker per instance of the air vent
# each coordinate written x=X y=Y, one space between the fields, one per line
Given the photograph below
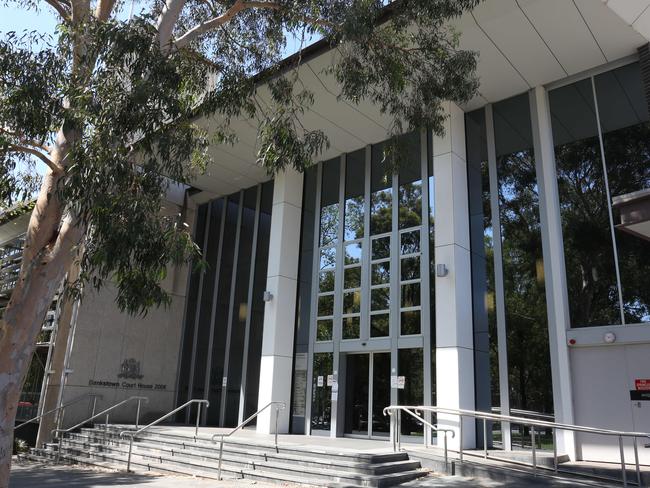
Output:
x=644 y=62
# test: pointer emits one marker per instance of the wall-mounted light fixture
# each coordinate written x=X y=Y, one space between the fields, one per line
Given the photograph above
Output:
x=441 y=270
x=267 y=296
x=609 y=337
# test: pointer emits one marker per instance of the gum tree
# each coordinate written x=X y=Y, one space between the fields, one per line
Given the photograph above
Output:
x=109 y=106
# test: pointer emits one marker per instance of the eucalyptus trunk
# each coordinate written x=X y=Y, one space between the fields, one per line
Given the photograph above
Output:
x=50 y=247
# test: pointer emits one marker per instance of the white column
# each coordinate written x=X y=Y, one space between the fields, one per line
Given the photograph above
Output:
x=454 y=332
x=554 y=267
x=280 y=312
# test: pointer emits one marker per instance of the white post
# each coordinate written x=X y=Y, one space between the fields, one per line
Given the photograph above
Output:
x=554 y=268
x=454 y=331
x=280 y=312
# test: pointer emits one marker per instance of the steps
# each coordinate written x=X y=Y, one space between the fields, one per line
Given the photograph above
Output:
x=242 y=458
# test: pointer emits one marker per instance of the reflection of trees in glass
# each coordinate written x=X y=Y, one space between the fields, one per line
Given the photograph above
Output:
x=627 y=152
x=523 y=272
x=410 y=204
x=321 y=407
x=353 y=218
x=381 y=204
x=588 y=251
x=411 y=366
x=329 y=224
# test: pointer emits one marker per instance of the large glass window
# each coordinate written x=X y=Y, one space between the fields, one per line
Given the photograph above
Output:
x=523 y=266
x=381 y=192
x=608 y=271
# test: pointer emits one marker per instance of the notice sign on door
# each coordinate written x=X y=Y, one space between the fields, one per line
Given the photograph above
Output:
x=642 y=384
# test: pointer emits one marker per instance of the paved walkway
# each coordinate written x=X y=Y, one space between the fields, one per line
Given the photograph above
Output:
x=37 y=475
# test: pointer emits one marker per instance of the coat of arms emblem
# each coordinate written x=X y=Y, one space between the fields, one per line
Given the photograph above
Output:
x=130 y=369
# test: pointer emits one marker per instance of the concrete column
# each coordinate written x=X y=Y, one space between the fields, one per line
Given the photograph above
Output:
x=557 y=301
x=280 y=313
x=454 y=331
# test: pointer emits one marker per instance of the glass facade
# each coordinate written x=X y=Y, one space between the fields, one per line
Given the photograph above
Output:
x=369 y=283
x=222 y=337
x=600 y=131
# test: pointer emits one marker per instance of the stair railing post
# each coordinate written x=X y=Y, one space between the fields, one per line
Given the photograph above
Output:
x=106 y=429
x=398 y=431
x=636 y=462
x=220 y=458
x=446 y=455
x=277 y=415
x=198 y=419
x=94 y=406
x=533 y=443
x=460 y=437
x=554 y=449
x=137 y=415
x=485 y=453
x=620 y=446
x=128 y=461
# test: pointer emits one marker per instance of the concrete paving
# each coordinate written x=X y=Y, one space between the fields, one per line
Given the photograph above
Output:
x=37 y=475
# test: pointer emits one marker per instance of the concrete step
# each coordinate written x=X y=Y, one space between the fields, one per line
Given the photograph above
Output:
x=210 y=470
x=381 y=464
x=361 y=476
x=516 y=474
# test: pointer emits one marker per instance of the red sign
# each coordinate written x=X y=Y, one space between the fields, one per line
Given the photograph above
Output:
x=642 y=385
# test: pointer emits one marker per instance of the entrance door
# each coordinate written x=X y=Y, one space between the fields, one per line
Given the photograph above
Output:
x=367 y=386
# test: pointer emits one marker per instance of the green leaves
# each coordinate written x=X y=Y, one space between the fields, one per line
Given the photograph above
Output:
x=122 y=114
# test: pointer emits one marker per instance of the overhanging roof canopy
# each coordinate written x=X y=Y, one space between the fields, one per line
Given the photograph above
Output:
x=521 y=44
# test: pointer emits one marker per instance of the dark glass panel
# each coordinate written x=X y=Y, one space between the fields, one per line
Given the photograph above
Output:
x=380 y=298
x=410 y=242
x=352 y=278
x=410 y=268
x=380 y=273
x=240 y=303
x=381 y=248
x=223 y=305
x=352 y=302
x=257 y=301
x=410 y=181
x=523 y=269
x=410 y=295
x=329 y=214
x=190 y=313
x=380 y=393
x=355 y=170
x=326 y=281
x=325 y=305
x=207 y=299
x=324 y=330
x=626 y=138
x=381 y=197
x=410 y=322
x=411 y=366
x=588 y=249
x=357 y=390
x=351 y=327
x=379 y=325
x=432 y=276
x=482 y=260
x=321 y=406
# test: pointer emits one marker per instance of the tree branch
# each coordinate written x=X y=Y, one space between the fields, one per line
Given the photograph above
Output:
x=167 y=20
x=211 y=24
x=35 y=152
x=103 y=9
x=24 y=140
x=65 y=15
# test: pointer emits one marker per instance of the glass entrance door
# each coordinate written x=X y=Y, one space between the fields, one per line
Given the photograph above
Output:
x=367 y=387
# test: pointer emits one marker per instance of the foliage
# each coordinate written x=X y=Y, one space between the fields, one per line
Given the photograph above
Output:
x=113 y=106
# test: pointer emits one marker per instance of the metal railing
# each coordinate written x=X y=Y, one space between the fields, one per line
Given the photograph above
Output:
x=396 y=429
x=132 y=434
x=278 y=406
x=62 y=407
x=57 y=432
x=533 y=424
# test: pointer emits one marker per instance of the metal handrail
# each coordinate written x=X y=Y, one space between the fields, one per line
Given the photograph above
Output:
x=554 y=426
x=414 y=413
x=56 y=432
x=278 y=406
x=72 y=402
x=132 y=434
